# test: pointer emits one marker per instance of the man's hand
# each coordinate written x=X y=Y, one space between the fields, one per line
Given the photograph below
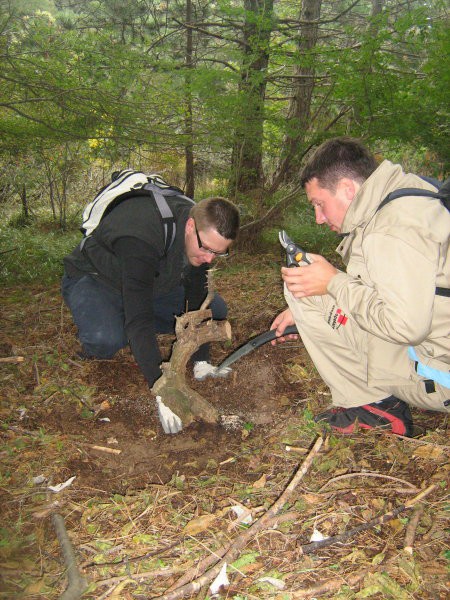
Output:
x=310 y=280
x=280 y=323
x=171 y=423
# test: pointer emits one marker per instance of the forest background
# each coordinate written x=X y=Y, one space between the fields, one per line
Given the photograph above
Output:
x=223 y=97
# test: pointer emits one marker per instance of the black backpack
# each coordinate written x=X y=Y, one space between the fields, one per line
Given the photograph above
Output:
x=443 y=194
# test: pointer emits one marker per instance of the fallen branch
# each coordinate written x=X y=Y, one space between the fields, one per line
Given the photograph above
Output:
x=182 y=589
x=410 y=534
x=77 y=583
x=343 y=537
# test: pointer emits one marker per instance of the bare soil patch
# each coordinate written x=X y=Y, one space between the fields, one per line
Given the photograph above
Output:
x=134 y=494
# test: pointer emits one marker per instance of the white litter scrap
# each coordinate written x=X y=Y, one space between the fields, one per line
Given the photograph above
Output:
x=317 y=536
x=277 y=583
x=220 y=581
x=239 y=511
x=61 y=486
x=39 y=479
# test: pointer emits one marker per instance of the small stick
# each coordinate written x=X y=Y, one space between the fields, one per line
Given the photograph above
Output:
x=105 y=449
x=410 y=534
x=138 y=576
x=12 y=359
x=367 y=474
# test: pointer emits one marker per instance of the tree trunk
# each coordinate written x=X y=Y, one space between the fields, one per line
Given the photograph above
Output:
x=247 y=170
x=189 y=146
x=24 y=200
x=299 y=112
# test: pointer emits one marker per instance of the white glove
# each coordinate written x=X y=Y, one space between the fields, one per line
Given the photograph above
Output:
x=171 y=423
x=203 y=369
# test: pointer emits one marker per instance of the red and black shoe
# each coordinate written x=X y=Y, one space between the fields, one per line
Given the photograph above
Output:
x=390 y=414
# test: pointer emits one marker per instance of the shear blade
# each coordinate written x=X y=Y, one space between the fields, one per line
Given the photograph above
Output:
x=285 y=240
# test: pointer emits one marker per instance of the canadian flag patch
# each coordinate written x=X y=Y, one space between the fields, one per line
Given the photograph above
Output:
x=337 y=318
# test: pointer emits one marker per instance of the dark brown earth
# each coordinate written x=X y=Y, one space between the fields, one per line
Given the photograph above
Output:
x=56 y=407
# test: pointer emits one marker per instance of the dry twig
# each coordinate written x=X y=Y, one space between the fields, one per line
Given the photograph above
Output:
x=411 y=528
x=366 y=474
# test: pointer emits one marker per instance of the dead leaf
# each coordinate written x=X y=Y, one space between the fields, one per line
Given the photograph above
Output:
x=34 y=588
x=199 y=524
x=312 y=498
x=429 y=451
x=260 y=483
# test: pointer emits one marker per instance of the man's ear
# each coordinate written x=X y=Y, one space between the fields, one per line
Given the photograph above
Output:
x=190 y=225
x=350 y=187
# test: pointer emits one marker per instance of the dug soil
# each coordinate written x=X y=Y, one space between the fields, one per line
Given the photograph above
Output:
x=97 y=421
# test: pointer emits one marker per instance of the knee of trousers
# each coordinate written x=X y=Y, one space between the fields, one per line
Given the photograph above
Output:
x=103 y=344
x=219 y=308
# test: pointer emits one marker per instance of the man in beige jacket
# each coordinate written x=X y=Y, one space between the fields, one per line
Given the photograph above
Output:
x=378 y=333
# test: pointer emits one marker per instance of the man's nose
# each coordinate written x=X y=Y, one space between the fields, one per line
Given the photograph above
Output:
x=208 y=258
x=320 y=218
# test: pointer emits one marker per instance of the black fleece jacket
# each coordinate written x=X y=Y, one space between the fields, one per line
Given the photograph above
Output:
x=127 y=251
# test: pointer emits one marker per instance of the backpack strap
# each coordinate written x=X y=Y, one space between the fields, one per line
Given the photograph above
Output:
x=440 y=291
x=168 y=220
x=409 y=192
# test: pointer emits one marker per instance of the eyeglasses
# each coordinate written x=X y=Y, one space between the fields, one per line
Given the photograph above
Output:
x=208 y=250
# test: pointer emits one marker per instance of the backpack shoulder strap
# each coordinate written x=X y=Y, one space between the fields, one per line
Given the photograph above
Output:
x=161 y=191
x=409 y=192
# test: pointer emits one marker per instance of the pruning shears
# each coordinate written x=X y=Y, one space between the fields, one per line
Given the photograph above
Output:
x=294 y=253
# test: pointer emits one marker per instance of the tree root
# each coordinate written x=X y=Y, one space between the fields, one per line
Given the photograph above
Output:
x=192 y=329
x=76 y=583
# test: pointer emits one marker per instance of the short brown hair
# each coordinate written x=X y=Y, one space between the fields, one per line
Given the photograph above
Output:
x=337 y=158
x=219 y=214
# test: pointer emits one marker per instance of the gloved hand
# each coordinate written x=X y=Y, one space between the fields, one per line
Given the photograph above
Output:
x=171 y=423
x=203 y=369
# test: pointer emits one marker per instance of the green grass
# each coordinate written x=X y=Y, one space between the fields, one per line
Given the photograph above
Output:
x=299 y=223
x=28 y=255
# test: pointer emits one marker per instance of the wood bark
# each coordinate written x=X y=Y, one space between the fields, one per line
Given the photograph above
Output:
x=299 y=113
x=193 y=329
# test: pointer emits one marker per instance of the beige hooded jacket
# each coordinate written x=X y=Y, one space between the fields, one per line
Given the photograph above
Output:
x=395 y=259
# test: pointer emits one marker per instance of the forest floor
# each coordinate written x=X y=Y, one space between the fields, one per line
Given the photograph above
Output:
x=149 y=512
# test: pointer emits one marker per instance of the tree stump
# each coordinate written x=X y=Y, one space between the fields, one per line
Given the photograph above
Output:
x=192 y=330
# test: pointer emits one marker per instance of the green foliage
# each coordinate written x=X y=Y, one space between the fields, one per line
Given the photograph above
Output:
x=28 y=255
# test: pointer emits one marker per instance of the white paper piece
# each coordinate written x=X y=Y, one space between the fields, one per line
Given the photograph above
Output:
x=277 y=583
x=60 y=486
x=317 y=536
x=220 y=580
x=239 y=512
x=39 y=479
x=105 y=420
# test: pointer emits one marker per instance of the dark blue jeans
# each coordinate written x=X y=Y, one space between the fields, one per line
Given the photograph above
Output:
x=97 y=311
